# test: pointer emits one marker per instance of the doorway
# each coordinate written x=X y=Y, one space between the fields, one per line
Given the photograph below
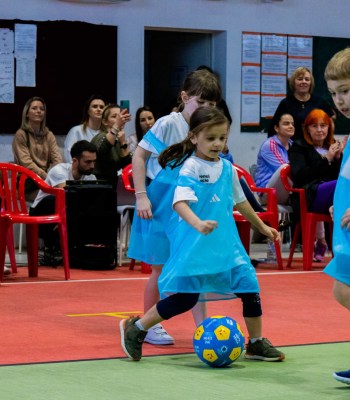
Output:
x=170 y=56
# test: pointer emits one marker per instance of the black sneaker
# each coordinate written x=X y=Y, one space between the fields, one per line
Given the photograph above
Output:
x=57 y=258
x=131 y=338
x=46 y=259
x=263 y=350
x=52 y=257
x=298 y=248
x=283 y=225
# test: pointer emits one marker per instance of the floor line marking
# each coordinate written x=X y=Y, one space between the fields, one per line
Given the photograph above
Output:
x=288 y=273
x=144 y=278
x=123 y=357
x=73 y=281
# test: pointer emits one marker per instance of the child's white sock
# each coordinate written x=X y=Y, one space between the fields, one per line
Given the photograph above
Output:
x=253 y=340
x=139 y=325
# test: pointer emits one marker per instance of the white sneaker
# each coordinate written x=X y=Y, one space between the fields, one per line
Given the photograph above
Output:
x=158 y=335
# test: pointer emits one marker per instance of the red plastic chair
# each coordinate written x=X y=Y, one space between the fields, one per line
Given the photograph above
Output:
x=306 y=224
x=127 y=178
x=269 y=216
x=129 y=186
x=11 y=250
x=14 y=210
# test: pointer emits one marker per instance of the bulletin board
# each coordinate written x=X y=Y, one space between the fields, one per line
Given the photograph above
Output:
x=74 y=60
x=285 y=60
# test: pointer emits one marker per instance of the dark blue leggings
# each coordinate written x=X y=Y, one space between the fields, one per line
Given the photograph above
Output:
x=181 y=302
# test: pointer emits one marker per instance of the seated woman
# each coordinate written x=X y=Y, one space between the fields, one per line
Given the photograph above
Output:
x=144 y=120
x=272 y=156
x=315 y=163
x=112 y=150
x=89 y=127
x=34 y=146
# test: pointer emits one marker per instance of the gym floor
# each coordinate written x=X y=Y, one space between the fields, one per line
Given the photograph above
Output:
x=61 y=339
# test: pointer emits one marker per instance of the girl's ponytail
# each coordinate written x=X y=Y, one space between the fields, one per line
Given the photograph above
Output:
x=176 y=154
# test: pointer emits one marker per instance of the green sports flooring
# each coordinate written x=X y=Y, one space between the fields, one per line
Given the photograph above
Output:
x=305 y=375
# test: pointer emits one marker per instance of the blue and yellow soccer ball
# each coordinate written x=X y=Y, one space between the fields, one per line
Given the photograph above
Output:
x=218 y=341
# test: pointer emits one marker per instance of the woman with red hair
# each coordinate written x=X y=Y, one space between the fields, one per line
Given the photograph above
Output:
x=315 y=163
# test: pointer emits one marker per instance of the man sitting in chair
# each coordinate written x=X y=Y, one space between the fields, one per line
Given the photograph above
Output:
x=83 y=162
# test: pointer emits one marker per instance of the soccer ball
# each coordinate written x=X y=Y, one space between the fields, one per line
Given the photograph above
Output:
x=218 y=341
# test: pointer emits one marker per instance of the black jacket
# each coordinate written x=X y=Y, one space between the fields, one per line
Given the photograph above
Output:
x=309 y=168
x=299 y=110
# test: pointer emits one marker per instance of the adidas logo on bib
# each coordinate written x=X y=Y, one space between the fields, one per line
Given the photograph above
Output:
x=215 y=199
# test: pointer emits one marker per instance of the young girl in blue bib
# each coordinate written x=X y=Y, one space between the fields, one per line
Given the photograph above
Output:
x=207 y=259
x=154 y=189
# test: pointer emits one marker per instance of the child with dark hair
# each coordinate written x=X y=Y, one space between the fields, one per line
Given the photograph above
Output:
x=207 y=259
x=154 y=188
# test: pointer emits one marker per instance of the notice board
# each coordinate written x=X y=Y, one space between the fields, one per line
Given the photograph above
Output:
x=323 y=48
x=74 y=60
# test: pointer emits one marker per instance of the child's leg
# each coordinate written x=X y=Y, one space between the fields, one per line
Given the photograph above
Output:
x=168 y=308
x=134 y=330
x=199 y=312
x=151 y=294
x=157 y=335
x=252 y=313
x=341 y=293
x=254 y=326
x=257 y=348
x=150 y=318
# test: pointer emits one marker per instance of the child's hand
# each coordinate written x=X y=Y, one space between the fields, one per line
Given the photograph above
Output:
x=271 y=233
x=143 y=206
x=331 y=212
x=345 y=221
x=206 y=226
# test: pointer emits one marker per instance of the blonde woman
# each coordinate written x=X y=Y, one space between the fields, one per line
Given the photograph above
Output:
x=34 y=146
x=112 y=149
x=299 y=102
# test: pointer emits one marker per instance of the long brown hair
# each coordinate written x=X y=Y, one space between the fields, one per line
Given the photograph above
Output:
x=312 y=118
x=138 y=129
x=85 y=117
x=202 y=118
x=203 y=84
x=25 y=124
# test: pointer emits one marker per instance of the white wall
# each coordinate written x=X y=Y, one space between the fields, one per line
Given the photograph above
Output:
x=307 y=17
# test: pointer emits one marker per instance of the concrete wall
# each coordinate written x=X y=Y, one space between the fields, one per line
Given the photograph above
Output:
x=307 y=17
